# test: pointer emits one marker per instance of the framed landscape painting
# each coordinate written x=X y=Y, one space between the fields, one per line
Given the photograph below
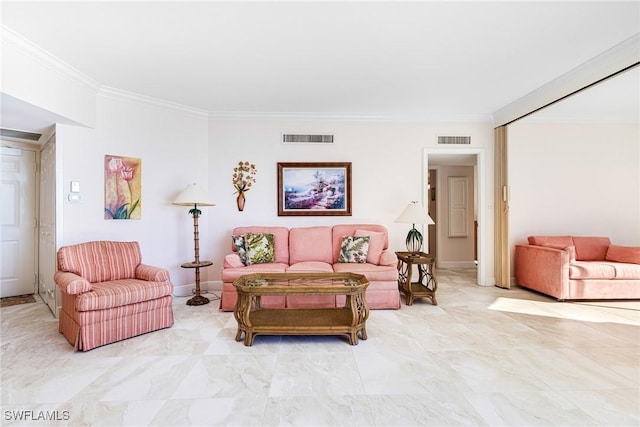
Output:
x=314 y=189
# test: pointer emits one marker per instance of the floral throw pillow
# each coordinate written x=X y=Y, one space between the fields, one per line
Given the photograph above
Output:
x=259 y=247
x=238 y=242
x=354 y=249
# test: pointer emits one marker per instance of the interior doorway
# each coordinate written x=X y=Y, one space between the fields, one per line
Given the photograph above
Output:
x=441 y=164
x=17 y=219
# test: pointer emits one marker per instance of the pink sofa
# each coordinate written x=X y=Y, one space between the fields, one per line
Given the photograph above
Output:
x=578 y=268
x=109 y=295
x=317 y=249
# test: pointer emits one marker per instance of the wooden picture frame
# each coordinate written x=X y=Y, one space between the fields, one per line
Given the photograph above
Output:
x=314 y=189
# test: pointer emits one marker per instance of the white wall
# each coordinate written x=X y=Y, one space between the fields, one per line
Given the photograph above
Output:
x=387 y=162
x=178 y=146
x=173 y=148
x=574 y=179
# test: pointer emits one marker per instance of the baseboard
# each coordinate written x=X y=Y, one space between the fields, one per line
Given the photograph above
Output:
x=190 y=288
x=455 y=264
x=491 y=281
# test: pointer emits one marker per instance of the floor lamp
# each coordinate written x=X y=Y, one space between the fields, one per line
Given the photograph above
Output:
x=192 y=195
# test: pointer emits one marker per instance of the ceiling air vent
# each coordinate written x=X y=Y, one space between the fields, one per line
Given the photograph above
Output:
x=289 y=138
x=19 y=134
x=454 y=140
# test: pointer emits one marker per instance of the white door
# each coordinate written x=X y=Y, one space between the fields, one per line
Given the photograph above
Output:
x=47 y=241
x=17 y=222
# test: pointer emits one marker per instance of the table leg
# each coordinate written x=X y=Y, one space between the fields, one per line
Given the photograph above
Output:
x=428 y=280
x=404 y=280
x=198 y=299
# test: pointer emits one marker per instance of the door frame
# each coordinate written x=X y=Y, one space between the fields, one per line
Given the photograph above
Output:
x=480 y=183
x=11 y=143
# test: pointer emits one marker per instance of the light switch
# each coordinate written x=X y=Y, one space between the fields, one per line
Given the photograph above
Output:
x=75 y=186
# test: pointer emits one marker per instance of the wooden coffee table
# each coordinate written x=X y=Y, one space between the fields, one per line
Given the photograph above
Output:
x=253 y=319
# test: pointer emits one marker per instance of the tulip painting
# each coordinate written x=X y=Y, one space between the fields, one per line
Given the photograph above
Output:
x=122 y=187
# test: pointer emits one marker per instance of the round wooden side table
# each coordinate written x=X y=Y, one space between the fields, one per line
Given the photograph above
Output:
x=197 y=298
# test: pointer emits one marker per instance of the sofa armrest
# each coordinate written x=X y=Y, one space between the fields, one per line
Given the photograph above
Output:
x=151 y=273
x=71 y=283
x=543 y=269
x=388 y=258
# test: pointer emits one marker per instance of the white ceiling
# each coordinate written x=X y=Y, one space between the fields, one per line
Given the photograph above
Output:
x=417 y=60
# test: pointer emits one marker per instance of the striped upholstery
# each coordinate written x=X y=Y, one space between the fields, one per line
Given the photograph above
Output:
x=154 y=274
x=100 y=261
x=90 y=329
x=109 y=295
x=71 y=283
x=121 y=292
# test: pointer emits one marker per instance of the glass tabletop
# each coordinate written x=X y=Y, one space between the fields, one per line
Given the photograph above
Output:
x=301 y=279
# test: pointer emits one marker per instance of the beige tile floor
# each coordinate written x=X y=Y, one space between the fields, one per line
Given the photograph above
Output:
x=483 y=356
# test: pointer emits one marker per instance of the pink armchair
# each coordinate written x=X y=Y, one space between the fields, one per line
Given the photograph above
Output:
x=108 y=295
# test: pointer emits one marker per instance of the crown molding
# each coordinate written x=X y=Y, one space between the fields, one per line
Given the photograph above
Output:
x=347 y=117
x=30 y=49
x=15 y=40
x=119 y=94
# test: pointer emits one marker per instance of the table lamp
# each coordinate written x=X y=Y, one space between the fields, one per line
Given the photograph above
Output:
x=192 y=195
x=414 y=214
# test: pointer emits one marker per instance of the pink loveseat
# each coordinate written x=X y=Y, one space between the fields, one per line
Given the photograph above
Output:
x=317 y=249
x=109 y=295
x=578 y=268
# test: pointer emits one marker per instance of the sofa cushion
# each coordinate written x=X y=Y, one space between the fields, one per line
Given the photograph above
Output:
x=101 y=261
x=310 y=244
x=627 y=254
x=591 y=270
x=310 y=267
x=354 y=249
x=626 y=271
x=603 y=270
x=238 y=243
x=230 y=275
x=259 y=247
x=377 y=273
x=376 y=244
x=341 y=230
x=591 y=248
x=232 y=261
x=109 y=294
x=280 y=240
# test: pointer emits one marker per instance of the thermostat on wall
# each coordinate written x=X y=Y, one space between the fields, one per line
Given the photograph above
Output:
x=74 y=198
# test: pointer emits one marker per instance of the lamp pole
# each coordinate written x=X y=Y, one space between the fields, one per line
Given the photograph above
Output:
x=195 y=212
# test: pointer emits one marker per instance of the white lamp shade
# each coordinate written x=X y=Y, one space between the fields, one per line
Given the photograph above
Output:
x=192 y=195
x=415 y=214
